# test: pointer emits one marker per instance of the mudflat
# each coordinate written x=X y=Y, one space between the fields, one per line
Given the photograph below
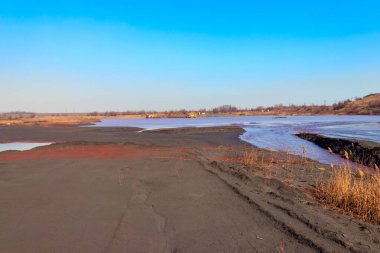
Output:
x=177 y=190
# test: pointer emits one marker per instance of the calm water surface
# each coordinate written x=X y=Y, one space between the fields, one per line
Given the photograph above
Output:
x=273 y=132
x=21 y=146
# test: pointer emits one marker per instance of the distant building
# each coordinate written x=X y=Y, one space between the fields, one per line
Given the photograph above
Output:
x=152 y=116
x=192 y=114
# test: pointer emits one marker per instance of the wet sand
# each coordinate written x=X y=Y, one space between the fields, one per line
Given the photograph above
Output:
x=181 y=190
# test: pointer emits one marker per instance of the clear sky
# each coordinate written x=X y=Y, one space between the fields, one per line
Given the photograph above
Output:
x=74 y=56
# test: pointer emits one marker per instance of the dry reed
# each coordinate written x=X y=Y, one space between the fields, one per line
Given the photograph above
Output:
x=355 y=192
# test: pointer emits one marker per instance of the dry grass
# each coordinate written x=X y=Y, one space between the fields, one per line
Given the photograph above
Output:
x=271 y=164
x=258 y=159
x=354 y=192
x=52 y=120
x=249 y=157
x=61 y=120
x=281 y=248
x=121 y=178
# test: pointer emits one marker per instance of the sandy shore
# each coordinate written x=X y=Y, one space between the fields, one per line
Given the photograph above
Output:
x=182 y=190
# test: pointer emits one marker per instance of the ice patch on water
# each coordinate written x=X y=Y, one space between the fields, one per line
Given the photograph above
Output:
x=22 y=146
x=273 y=133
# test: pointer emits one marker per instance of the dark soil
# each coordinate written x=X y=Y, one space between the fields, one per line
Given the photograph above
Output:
x=182 y=190
x=360 y=152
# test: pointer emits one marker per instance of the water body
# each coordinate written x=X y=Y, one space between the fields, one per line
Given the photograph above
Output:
x=21 y=146
x=275 y=133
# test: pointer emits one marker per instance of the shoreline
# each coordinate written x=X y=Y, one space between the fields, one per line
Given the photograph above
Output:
x=169 y=187
x=305 y=136
x=48 y=121
x=358 y=151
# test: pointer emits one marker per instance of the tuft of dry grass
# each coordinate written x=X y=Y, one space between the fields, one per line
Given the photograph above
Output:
x=249 y=157
x=355 y=192
x=281 y=248
x=270 y=164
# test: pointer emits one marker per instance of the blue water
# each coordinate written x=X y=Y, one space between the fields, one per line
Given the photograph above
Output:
x=275 y=133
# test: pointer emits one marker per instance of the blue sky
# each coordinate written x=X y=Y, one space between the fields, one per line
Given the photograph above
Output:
x=73 y=56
